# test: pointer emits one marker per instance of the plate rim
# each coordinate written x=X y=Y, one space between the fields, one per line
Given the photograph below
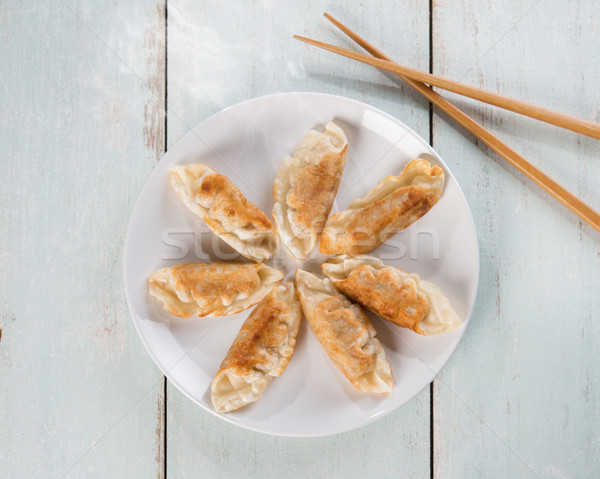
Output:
x=136 y=206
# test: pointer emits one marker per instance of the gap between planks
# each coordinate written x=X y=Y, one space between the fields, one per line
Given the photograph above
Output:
x=431 y=385
x=165 y=117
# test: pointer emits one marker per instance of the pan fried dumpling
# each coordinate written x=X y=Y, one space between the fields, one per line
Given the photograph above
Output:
x=395 y=203
x=393 y=294
x=212 y=289
x=262 y=350
x=346 y=334
x=225 y=209
x=305 y=187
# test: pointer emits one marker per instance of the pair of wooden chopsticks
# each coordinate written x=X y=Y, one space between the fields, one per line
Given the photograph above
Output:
x=417 y=80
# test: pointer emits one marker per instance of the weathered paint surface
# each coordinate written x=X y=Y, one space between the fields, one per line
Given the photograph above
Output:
x=79 y=136
x=520 y=397
x=83 y=91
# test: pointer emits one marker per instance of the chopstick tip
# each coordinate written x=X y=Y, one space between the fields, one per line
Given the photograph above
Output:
x=302 y=39
x=330 y=18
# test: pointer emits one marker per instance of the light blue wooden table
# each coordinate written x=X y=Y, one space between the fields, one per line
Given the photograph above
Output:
x=91 y=95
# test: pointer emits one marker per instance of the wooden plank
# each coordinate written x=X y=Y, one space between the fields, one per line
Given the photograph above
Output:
x=394 y=447
x=80 y=132
x=217 y=56
x=520 y=396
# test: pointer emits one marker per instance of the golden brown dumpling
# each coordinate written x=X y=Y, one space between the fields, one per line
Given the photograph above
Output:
x=346 y=334
x=393 y=294
x=212 y=289
x=305 y=187
x=225 y=209
x=394 y=203
x=262 y=350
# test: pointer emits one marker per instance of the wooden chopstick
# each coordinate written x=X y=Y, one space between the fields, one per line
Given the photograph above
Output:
x=582 y=210
x=562 y=120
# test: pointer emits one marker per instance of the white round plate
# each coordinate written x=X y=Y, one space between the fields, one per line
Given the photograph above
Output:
x=246 y=142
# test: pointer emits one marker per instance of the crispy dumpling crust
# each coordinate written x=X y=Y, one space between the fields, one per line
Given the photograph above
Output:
x=305 y=188
x=262 y=350
x=395 y=203
x=212 y=289
x=225 y=209
x=345 y=333
x=393 y=294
